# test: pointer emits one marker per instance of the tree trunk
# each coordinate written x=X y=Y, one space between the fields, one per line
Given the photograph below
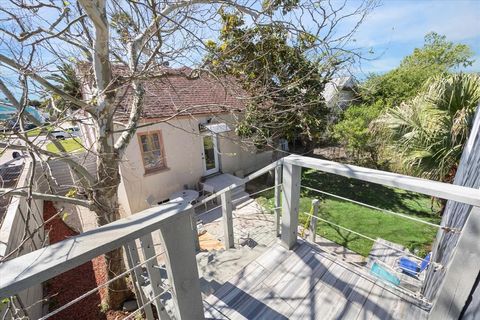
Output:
x=105 y=195
x=117 y=291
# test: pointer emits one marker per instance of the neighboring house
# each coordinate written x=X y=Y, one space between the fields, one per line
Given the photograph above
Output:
x=186 y=132
x=340 y=93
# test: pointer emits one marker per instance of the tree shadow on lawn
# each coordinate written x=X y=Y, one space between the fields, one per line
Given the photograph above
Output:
x=369 y=193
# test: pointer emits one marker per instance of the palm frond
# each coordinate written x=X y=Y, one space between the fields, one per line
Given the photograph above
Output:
x=428 y=133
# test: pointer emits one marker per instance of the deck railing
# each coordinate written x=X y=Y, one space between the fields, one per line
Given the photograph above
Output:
x=171 y=221
x=175 y=224
x=287 y=196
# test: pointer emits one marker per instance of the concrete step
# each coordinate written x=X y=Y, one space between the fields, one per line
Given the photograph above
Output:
x=224 y=180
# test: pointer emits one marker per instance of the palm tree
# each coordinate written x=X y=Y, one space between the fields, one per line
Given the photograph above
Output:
x=67 y=80
x=427 y=135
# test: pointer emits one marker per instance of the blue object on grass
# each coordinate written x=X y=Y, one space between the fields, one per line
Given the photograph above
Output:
x=384 y=274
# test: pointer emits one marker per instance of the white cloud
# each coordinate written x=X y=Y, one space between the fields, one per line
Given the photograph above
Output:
x=406 y=21
x=382 y=65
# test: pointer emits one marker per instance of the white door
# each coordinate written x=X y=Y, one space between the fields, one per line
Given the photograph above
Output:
x=209 y=153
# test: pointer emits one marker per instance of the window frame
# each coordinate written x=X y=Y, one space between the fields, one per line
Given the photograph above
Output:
x=162 y=150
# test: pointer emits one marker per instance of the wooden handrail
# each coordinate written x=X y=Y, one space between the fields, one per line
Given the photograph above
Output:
x=38 y=266
x=432 y=188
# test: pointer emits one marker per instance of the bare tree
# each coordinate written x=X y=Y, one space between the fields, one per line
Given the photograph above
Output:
x=117 y=45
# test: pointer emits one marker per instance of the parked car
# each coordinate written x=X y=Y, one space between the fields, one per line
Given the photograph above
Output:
x=71 y=132
x=74 y=131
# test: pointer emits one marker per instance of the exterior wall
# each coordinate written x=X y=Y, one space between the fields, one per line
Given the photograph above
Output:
x=238 y=157
x=472 y=310
x=183 y=150
x=11 y=234
x=455 y=214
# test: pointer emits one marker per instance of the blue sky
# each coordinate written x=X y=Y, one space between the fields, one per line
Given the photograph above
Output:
x=395 y=28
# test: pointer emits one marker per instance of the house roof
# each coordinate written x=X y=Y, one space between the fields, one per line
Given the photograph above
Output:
x=178 y=92
x=336 y=85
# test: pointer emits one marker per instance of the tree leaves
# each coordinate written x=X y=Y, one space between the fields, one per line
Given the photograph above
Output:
x=285 y=86
x=428 y=134
x=381 y=92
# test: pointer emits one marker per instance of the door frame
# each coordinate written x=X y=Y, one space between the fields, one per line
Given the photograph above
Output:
x=215 y=153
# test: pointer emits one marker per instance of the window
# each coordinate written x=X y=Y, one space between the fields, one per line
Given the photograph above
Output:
x=153 y=154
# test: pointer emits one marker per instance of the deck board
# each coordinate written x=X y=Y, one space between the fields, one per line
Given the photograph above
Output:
x=306 y=283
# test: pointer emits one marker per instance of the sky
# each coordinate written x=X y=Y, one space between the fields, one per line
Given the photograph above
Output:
x=395 y=28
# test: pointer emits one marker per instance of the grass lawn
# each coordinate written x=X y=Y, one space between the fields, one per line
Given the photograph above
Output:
x=373 y=223
x=36 y=131
x=70 y=145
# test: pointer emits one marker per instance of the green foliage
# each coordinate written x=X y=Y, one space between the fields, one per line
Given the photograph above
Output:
x=271 y=65
x=269 y=6
x=380 y=92
x=440 y=54
x=403 y=83
x=67 y=79
x=355 y=133
x=70 y=145
x=429 y=133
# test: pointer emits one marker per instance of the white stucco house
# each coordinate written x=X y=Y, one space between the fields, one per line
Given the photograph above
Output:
x=186 y=133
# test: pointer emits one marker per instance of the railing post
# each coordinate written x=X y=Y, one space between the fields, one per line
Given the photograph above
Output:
x=154 y=275
x=291 y=179
x=181 y=266
x=133 y=262
x=313 y=221
x=278 y=202
x=227 y=219
x=196 y=240
x=462 y=272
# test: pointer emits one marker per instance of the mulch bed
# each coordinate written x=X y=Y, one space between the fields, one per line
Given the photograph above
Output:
x=72 y=284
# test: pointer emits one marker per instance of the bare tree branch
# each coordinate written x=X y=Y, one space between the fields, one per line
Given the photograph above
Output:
x=45 y=196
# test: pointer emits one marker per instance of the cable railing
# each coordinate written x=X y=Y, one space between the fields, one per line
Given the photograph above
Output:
x=236 y=201
x=127 y=272
x=404 y=216
x=170 y=221
x=176 y=223
x=291 y=182
x=288 y=184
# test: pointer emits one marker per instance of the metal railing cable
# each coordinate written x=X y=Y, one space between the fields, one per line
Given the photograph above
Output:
x=362 y=235
x=256 y=192
x=149 y=302
x=92 y=291
x=363 y=271
x=382 y=210
x=233 y=200
x=248 y=178
x=208 y=211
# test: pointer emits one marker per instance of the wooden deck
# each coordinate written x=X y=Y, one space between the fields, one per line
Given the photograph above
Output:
x=307 y=283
